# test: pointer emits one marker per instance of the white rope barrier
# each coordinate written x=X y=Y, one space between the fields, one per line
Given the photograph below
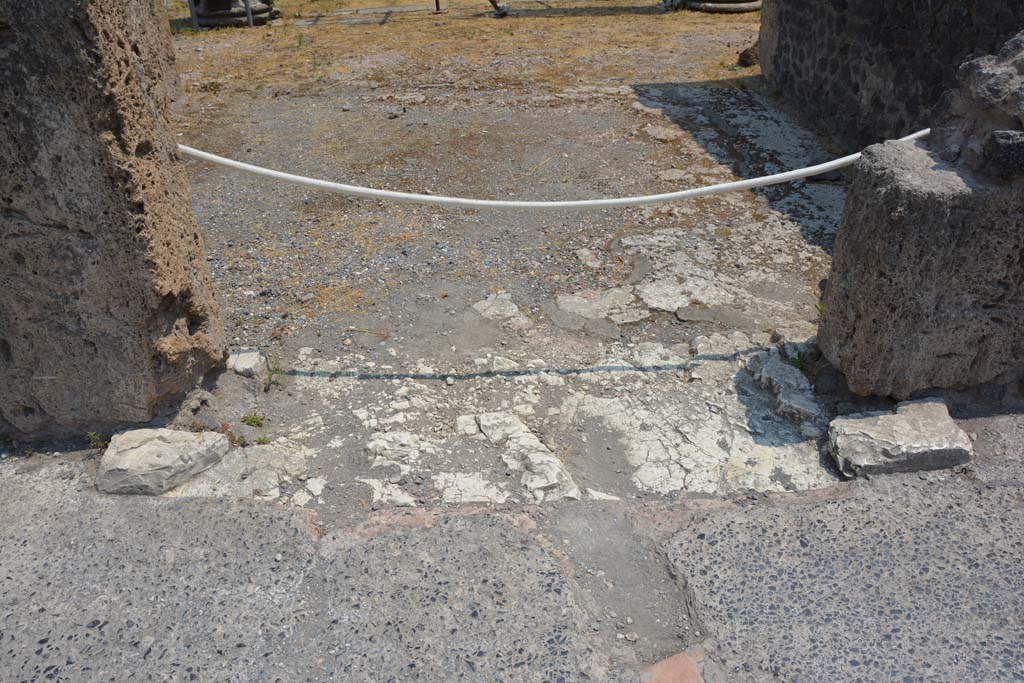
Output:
x=356 y=190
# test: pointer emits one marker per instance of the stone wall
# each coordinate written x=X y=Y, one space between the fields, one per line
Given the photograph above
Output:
x=107 y=313
x=869 y=70
x=927 y=282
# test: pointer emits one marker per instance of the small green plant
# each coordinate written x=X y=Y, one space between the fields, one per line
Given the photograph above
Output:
x=805 y=362
x=820 y=308
x=253 y=420
x=275 y=371
x=97 y=440
x=233 y=439
x=262 y=440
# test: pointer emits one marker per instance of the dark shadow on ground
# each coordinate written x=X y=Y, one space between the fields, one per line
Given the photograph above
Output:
x=483 y=374
x=738 y=124
x=181 y=24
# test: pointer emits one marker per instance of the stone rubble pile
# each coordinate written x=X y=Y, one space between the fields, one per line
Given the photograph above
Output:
x=250 y=363
x=794 y=397
x=263 y=472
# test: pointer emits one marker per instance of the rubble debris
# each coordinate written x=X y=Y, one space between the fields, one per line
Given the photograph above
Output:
x=544 y=475
x=387 y=493
x=249 y=363
x=252 y=472
x=404 y=447
x=794 y=397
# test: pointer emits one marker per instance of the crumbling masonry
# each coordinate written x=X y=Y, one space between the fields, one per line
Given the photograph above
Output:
x=107 y=312
x=927 y=284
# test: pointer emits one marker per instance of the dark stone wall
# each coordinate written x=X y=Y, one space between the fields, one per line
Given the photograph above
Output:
x=873 y=69
x=927 y=282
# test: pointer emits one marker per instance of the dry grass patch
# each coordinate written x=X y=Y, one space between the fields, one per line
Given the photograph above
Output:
x=550 y=45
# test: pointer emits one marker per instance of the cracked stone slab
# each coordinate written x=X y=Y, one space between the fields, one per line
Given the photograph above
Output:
x=700 y=274
x=544 y=474
x=500 y=307
x=794 y=397
x=404 y=447
x=711 y=429
x=458 y=488
x=617 y=304
x=251 y=472
x=387 y=493
x=152 y=461
x=920 y=435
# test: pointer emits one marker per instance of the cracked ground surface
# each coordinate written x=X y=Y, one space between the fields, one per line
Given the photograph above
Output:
x=505 y=445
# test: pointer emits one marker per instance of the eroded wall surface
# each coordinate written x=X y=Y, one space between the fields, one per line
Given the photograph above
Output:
x=927 y=282
x=107 y=312
x=869 y=70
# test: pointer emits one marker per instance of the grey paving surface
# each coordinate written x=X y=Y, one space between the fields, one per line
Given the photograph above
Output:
x=131 y=588
x=909 y=578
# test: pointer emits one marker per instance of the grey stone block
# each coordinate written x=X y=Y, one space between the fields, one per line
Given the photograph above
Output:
x=920 y=435
x=249 y=363
x=794 y=397
x=927 y=282
x=153 y=461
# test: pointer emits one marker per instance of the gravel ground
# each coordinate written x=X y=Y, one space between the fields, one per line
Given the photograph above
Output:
x=503 y=438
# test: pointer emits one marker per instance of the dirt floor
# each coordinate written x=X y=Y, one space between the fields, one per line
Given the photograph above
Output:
x=556 y=402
